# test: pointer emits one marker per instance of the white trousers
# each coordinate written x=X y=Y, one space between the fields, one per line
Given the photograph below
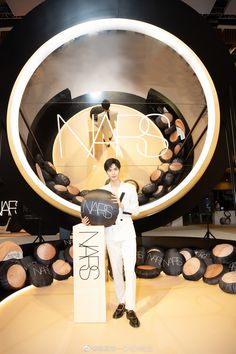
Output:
x=123 y=253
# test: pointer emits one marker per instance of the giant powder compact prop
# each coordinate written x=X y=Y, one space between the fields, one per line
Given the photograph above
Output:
x=99 y=208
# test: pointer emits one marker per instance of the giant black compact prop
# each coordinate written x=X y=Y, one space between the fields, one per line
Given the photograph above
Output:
x=99 y=207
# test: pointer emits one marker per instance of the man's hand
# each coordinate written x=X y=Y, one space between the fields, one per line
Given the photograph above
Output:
x=85 y=220
x=115 y=199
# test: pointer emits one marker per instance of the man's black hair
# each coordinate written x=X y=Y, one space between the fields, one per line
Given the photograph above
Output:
x=110 y=162
x=105 y=104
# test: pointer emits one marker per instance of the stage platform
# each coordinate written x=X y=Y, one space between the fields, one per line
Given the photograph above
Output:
x=177 y=317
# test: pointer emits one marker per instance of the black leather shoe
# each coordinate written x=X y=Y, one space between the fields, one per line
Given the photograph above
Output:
x=133 y=319
x=119 y=311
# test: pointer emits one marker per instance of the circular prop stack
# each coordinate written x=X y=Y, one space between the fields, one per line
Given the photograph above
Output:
x=57 y=182
x=170 y=170
x=48 y=263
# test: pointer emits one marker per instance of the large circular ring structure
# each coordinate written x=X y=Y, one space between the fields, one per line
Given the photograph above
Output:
x=91 y=27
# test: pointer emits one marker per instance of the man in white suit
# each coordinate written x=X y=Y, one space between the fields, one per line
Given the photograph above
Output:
x=121 y=242
x=106 y=121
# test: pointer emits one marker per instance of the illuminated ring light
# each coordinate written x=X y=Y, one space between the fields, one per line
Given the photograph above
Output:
x=95 y=26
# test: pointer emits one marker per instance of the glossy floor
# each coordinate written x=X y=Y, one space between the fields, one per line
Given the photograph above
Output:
x=177 y=316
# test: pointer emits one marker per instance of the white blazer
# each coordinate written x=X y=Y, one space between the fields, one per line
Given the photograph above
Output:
x=123 y=228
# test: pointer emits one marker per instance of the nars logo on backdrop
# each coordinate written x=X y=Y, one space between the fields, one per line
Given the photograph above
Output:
x=9 y=207
x=89 y=257
x=141 y=138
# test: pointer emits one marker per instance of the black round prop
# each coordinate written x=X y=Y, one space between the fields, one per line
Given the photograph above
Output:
x=50 y=185
x=60 y=178
x=61 y=190
x=174 y=138
x=205 y=255
x=46 y=175
x=140 y=255
x=146 y=271
x=227 y=282
x=178 y=150
x=99 y=208
x=166 y=155
x=176 y=166
x=27 y=261
x=155 y=258
x=149 y=188
x=12 y=275
x=187 y=253
x=39 y=275
x=161 y=190
x=170 y=130
x=164 y=120
x=168 y=179
x=232 y=266
x=72 y=191
x=39 y=159
x=173 y=262
x=49 y=168
x=224 y=253
x=194 y=269
x=61 y=270
x=156 y=176
x=213 y=273
x=45 y=253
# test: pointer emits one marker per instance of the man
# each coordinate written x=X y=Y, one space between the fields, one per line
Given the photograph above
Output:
x=121 y=242
x=106 y=121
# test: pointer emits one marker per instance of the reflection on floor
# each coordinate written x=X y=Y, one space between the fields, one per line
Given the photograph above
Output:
x=177 y=317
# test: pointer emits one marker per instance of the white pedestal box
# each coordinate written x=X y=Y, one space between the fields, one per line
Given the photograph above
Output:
x=89 y=273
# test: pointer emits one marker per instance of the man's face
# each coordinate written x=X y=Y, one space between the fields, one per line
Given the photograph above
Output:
x=113 y=172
